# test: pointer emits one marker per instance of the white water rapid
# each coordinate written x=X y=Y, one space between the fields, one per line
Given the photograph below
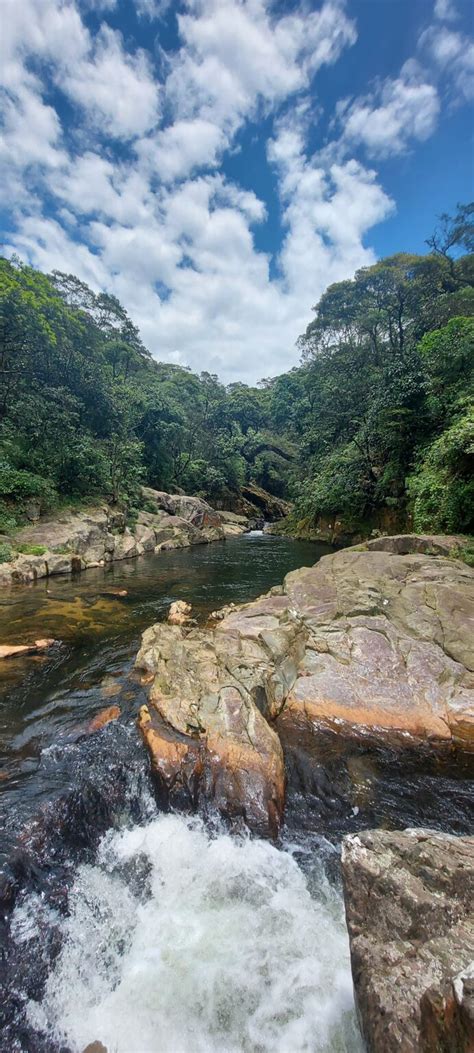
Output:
x=180 y=941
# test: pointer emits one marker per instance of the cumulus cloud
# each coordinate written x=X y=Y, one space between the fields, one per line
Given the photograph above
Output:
x=399 y=111
x=129 y=193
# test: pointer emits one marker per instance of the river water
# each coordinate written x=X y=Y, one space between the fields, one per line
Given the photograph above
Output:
x=165 y=933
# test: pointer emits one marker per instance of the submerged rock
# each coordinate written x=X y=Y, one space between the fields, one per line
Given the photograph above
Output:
x=16 y=650
x=410 y=913
x=105 y=716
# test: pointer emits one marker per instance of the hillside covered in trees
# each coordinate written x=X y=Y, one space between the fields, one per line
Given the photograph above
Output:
x=379 y=416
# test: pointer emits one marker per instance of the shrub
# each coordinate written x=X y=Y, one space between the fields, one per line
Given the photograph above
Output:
x=31 y=550
x=442 y=489
x=6 y=552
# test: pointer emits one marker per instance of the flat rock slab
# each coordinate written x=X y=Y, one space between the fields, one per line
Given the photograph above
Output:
x=390 y=648
x=410 y=913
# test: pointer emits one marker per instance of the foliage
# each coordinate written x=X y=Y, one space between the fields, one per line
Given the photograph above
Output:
x=31 y=550
x=6 y=552
x=377 y=417
x=85 y=410
x=442 y=489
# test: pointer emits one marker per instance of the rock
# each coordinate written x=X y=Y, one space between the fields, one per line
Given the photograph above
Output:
x=105 y=716
x=145 y=536
x=389 y=653
x=192 y=509
x=206 y=738
x=427 y=544
x=410 y=913
x=115 y=593
x=14 y=650
x=125 y=546
x=179 y=613
x=95 y=536
x=234 y=525
x=266 y=504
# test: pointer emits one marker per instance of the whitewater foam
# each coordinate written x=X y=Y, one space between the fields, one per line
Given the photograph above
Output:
x=180 y=941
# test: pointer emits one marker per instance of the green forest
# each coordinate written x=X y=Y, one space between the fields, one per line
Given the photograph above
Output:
x=375 y=426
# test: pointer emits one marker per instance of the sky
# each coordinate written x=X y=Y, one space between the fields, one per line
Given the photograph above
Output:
x=216 y=164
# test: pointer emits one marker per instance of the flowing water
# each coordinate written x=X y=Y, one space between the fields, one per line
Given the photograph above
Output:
x=152 y=932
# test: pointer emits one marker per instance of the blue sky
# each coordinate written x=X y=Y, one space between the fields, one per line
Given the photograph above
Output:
x=217 y=163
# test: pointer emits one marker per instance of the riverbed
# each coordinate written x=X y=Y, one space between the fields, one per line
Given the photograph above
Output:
x=153 y=932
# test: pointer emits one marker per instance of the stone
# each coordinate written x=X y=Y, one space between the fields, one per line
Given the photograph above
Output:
x=373 y=646
x=427 y=544
x=192 y=509
x=179 y=613
x=207 y=740
x=389 y=655
x=104 y=717
x=409 y=900
x=125 y=546
x=15 y=650
x=234 y=525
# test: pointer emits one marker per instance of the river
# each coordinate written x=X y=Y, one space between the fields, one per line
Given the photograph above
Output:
x=152 y=932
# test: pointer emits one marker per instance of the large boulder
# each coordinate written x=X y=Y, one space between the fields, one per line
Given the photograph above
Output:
x=192 y=509
x=410 y=913
x=427 y=544
x=206 y=737
x=369 y=645
x=389 y=654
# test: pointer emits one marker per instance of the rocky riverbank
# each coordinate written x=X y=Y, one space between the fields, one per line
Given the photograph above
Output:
x=95 y=536
x=372 y=645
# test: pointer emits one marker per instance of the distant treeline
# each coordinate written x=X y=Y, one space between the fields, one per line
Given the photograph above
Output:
x=378 y=416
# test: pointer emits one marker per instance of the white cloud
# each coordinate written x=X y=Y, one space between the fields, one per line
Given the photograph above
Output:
x=152 y=9
x=157 y=223
x=399 y=111
x=445 y=11
x=452 y=54
x=116 y=89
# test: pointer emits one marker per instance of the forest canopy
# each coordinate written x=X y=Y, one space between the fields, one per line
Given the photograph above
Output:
x=377 y=420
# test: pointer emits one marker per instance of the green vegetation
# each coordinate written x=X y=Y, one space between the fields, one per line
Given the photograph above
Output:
x=85 y=410
x=31 y=550
x=382 y=407
x=376 y=422
x=6 y=552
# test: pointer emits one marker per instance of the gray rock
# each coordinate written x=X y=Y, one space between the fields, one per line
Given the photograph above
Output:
x=410 y=913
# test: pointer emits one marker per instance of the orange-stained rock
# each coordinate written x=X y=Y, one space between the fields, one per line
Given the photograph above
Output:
x=372 y=645
x=206 y=738
x=13 y=650
x=104 y=717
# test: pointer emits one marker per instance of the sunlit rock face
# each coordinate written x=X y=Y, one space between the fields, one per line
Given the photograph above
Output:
x=409 y=906
x=370 y=645
x=207 y=739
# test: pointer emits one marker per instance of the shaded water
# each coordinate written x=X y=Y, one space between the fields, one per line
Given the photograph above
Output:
x=47 y=701
x=164 y=933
